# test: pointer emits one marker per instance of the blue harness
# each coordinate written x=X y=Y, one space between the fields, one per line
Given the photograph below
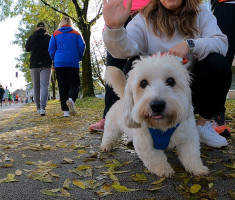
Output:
x=161 y=139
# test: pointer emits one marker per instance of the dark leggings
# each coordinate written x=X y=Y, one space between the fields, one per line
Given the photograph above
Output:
x=68 y=83
x=210 y=84
x=110 y=95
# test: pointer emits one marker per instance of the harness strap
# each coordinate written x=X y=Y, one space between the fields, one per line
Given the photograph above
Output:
x=161 y=139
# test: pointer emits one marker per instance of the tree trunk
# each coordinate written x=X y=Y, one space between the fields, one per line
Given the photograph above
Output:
x=87 y=82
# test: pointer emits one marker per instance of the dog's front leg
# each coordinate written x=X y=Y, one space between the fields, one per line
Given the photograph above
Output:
x=189 y=155
x=155 y=160
x=111 y=134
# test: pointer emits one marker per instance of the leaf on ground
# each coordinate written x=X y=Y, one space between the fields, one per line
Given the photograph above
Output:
x=210 y=185
x=30 y=163
x=113 y=177
x=9 y=178
x=121 y=188
x=24 y=156
x=48 y=192
x=65 y=192
x=6 y=166
x=83 y=167
x=18 y=172
x=67 y=161
x=54 y=174
x=158 y=181
x=231 y=193
x=82 y=151
x=195 y=188
x=66 y=184
x=156 y=187
x=79 y=184
x=140 y=178
x=92 y=184
x=112 y=163
x=230 y=166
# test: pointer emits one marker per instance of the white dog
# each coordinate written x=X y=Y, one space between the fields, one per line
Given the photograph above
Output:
x=157 y=96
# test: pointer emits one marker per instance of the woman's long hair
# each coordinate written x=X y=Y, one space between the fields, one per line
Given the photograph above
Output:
x=164 y=22
x=65 y=20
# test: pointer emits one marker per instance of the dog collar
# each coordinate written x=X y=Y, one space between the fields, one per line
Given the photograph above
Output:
x=161 y=138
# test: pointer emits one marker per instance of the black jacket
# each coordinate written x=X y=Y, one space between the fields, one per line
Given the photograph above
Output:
x=2 y=91
x=38 y=45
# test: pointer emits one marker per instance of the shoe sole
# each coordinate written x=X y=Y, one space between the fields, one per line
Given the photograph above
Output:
x=226 y=133
x=72 y=111
x=214 y=144
x=96 y=130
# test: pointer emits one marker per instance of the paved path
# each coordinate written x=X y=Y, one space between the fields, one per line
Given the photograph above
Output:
x=10 y=111
x=46 y=153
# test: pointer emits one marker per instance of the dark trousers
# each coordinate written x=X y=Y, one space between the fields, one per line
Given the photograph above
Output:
x=225 y=14
x=110 y=96
x=211 y=79
x=68 y=82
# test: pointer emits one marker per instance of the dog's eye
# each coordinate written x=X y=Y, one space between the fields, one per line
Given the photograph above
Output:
x=170 y=82
x=144 y=83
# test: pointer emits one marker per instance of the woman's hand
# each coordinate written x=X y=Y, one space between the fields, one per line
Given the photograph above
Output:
x=180 y=49
x=115 y=14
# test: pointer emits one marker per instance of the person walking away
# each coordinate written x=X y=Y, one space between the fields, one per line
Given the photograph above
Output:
x=1 y=94
x=40 y=66
x=17 y=98
x=224 y=11
x=5 y=96
x=110 y=96
x=10 y=98
x=66 y=49
x=199 y=40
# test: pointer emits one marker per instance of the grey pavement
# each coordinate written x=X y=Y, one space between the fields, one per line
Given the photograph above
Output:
x=31 y=143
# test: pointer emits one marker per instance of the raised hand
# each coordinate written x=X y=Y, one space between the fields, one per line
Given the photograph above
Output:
x=115 y=14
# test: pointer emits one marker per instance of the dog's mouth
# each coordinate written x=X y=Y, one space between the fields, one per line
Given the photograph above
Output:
x=157 y=116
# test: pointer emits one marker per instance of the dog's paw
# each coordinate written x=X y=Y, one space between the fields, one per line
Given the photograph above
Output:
x=167 y=172
x=105 y=148
x=203 y=170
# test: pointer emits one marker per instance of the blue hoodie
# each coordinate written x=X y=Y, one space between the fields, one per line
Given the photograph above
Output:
x=66 y=47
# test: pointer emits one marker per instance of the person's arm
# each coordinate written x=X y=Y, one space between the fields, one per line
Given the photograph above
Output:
x=52 y=47
x=124 y=43
x=211 y=39
x=28 y=45
x=81 y=47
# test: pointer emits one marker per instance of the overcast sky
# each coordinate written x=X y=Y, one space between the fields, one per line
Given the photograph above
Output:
x=8 y=53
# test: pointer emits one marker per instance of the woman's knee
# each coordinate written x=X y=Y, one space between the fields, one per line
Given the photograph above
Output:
x=214 y=65
x=217 y=63
x=129 y=63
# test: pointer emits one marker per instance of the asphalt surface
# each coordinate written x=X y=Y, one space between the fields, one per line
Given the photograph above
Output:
x=27 y=139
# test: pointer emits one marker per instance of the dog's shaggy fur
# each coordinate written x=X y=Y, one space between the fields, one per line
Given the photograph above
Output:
x=155 y=95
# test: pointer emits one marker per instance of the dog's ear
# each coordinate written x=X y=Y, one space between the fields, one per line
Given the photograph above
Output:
x=128 y=105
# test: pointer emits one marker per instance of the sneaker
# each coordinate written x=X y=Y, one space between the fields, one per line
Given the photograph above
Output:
x=210 y=137
x=66 y=114
x=71 y=106
x=223 y=130
x=99 y=126
x=38 y=111
x=42 y=112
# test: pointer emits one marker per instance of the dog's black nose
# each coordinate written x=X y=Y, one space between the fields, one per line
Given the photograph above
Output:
x=158 y=106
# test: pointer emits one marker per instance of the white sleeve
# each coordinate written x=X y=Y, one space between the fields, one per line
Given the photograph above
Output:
x=210 y=39
x=124 y=43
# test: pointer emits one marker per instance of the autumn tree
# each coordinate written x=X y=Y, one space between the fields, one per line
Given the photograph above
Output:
x=84 y=14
